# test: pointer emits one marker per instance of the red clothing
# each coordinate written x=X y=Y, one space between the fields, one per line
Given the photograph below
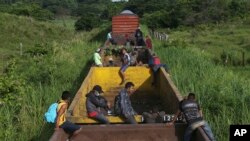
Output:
x=92 y=114
x=156 y=60
x=148 y=43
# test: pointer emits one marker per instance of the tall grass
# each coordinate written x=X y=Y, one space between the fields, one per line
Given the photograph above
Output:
x=224 y=96
x=70 y=65
x=231 y=38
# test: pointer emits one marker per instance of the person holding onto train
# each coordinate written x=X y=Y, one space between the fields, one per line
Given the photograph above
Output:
x=95 y=103
x=61 y=122
x=193 y=115
x=155 y=64
x=124 y=103
x=125 y=64
x=149 y=43
x=109 y=40
x=98 y=58
x=139 y=37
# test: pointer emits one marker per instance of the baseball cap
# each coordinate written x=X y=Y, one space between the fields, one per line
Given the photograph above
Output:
x=98 y=88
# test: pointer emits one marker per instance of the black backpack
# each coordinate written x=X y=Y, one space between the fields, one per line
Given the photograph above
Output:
x=117 y=105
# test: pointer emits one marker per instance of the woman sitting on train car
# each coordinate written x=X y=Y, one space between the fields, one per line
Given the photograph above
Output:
x=95 y=102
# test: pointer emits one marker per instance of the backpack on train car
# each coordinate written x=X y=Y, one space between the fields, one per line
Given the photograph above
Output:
x=117 y=105
x=50 y=115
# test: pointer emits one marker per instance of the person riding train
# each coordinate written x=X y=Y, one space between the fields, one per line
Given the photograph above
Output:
x=95 y=102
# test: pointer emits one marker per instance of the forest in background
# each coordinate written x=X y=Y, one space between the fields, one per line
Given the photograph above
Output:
x=154 y=13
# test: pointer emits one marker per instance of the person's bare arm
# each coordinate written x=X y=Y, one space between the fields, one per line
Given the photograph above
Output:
x=200 y=111
x=175 y=117
x=59 y=113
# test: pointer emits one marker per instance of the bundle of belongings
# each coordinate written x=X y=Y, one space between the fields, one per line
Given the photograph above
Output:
x=153 y=116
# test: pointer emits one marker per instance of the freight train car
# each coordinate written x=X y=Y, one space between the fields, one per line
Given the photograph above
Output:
x=124 y=26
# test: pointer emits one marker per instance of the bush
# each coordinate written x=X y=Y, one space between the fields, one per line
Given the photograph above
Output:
x=154 y=20
x=11 y=85
x=87 y=22
x=248 y=61
x=32 y=10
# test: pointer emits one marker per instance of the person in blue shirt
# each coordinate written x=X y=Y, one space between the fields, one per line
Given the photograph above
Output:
x=127 y=111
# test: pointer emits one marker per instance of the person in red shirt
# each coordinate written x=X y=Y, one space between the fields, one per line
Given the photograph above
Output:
x=148 y=42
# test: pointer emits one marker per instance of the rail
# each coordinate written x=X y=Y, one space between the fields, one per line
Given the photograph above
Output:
x=159 y=35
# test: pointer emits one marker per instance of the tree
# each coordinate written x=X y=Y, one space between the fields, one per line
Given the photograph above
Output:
x=87 y=22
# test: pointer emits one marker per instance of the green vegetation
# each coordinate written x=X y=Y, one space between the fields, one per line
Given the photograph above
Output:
x=27 y=9
x=175 y=13
x=52 y=61
x=21 y=34
x=225 y=42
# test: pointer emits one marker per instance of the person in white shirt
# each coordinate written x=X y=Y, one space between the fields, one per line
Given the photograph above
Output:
x=97 y=58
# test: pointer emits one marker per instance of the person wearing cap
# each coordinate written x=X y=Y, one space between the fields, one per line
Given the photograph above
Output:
x=193 y=115
x=97 y=58
x=95 y=102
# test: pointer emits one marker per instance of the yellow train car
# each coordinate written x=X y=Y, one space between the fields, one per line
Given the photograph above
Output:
x=145 y=97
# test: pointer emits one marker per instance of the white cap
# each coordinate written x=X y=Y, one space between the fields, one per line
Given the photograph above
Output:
x=98 y=50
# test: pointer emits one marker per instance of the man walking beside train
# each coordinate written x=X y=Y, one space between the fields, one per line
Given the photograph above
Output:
x=193 y=115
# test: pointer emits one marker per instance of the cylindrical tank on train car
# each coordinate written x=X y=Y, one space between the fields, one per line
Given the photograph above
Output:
x=124 y=26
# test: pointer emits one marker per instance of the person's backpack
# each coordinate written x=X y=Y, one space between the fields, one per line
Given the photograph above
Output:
x=117 y=105
x=50 y=115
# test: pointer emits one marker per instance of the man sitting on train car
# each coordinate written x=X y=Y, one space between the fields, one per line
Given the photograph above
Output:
x=61 y=122
x=193 y=115
x=124 y=105
x=95 y=102
x=125 y=64
x=97 y=58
